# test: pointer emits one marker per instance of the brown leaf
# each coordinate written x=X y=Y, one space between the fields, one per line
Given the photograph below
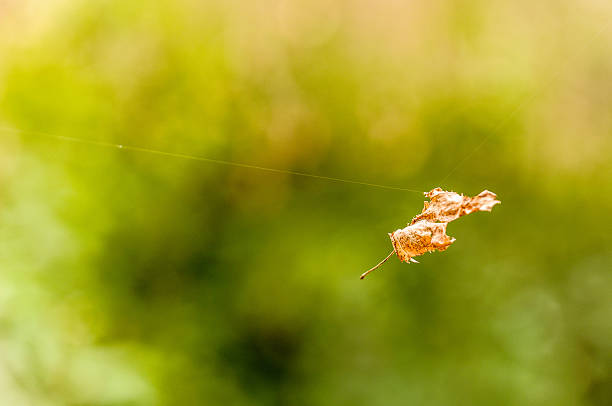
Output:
x=427 y=231
x=419 y=238
x=445 y=207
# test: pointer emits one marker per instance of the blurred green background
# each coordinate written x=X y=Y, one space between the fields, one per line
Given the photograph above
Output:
x=129 y=278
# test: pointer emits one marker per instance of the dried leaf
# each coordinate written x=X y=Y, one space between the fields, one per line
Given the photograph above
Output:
x=419 y=238
x=445 y=207
x=427 y=231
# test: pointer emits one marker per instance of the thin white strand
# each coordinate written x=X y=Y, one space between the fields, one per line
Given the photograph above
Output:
x=204 y=159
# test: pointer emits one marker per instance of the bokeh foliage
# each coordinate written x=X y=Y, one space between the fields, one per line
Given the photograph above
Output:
x=128 y=278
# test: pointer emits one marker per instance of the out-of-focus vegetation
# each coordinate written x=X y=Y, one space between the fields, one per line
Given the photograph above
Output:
x=128 y=278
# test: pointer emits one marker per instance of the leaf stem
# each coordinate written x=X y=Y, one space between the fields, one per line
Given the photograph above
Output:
x=363 y=275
